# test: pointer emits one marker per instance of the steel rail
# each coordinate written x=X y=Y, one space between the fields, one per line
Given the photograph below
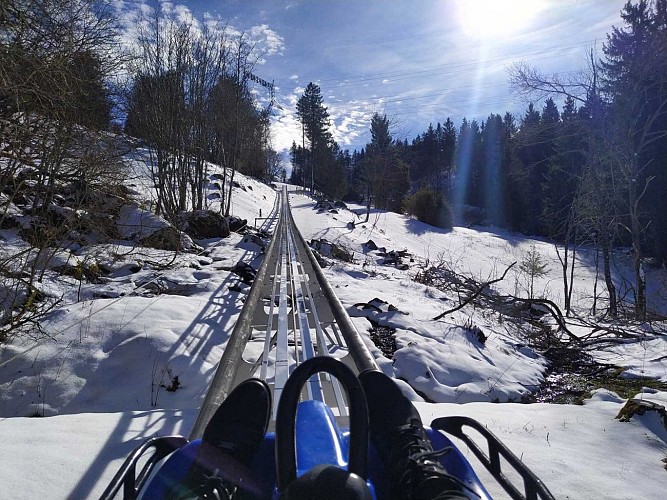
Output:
x=361 y=356
x=223 y=380
x=289 y=306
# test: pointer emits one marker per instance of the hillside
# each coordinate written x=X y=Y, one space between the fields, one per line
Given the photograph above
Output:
x=130 y=357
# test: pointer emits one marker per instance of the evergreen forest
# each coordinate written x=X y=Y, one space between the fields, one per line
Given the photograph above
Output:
x=586 y=166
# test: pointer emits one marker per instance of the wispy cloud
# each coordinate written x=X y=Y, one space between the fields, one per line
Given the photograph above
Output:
x=350 y=121
x=271 y=41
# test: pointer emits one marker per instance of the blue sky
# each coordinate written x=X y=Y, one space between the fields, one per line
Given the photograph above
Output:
x=418 y=61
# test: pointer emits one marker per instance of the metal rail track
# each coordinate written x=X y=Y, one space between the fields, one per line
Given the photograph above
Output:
x=290 y=314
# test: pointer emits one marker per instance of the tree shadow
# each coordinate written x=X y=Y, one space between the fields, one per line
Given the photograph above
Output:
x=131 y=430
x=419 y=228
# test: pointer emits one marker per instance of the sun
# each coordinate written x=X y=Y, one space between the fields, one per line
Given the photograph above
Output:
x=483 y=19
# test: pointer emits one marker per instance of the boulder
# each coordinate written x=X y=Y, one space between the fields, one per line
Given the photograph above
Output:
x=244 y=271
x=166 y=238
x=370 y=245
x=329 y=249
x=253 y=239
x=135 y=223
x=236 y=224
x=640 y=407
x=204 y=224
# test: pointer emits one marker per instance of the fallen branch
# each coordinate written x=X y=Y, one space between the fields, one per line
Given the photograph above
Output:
x=554 y=310
x=475 y=294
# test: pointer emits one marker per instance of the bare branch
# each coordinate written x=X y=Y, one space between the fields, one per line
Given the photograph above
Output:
x=475 y=294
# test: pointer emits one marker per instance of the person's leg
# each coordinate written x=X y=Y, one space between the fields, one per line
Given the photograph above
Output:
x=228 y=445
x=239 y=424
x=398 y=434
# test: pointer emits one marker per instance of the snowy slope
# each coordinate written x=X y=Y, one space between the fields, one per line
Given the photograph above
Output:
x=102 y=379
x=121 y=352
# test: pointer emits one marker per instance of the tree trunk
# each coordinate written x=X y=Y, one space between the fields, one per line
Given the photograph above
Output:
x=569 y=296
x=611 y=288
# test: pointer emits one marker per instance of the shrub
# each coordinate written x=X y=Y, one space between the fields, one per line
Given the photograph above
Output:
x=429 y=206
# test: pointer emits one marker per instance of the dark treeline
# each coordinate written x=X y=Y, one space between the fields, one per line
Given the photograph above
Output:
x=593 y=171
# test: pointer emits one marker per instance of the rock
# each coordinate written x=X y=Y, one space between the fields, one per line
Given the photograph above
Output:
x=236 y=224
x=391 y=259
x=150 y=230
x=168 y=238
x=244 y=271
x=379 y=306
x=204 y=224
x=640 y=407
x=107 y=294
x=135 y=223
x=321 y=260
x=328 y=249
x=254 y=240
x=370 y=245
x=394 y=258
x=477 y=333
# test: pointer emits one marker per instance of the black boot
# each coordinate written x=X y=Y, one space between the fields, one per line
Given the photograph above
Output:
x=398 y=435
x=239 y=424
x=230 y=440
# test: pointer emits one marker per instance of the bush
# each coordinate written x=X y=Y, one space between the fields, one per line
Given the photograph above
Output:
x=430 y=207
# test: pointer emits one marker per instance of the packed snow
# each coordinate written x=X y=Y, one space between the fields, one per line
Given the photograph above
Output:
x=131 y=358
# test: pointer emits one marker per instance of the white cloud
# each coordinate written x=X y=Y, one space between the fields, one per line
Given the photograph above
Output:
x=182 y=14
x=350 y=121
x=271 y=41
x=285 y=129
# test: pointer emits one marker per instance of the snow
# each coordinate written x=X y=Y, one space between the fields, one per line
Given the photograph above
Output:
x=136 y=223
x=577 y=451
x=99 y=381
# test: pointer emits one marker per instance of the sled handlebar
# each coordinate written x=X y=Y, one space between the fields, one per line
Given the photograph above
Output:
x=286 y=418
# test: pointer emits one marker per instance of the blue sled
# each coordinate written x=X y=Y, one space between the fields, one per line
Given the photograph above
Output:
x=307 y=435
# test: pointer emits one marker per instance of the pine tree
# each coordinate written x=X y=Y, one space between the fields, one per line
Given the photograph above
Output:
x=533 y=266
x=314 y=115
x=635 y=75
x=324 y=171
x=387 y=178
x=448 y=148
x=492 y=175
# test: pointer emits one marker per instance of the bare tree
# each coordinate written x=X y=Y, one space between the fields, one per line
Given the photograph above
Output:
x=56 y=57
x=275 y=164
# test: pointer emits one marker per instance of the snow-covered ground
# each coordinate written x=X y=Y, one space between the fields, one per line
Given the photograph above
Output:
x=101 y=381
x=578 y=451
